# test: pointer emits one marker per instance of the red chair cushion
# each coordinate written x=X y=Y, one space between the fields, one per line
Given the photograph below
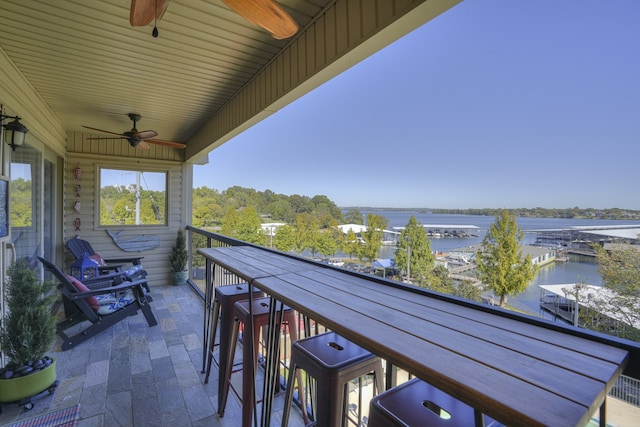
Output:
x=97 y=259
x=81 y=287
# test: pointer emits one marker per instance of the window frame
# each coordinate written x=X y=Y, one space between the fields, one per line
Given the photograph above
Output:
x=128 y=169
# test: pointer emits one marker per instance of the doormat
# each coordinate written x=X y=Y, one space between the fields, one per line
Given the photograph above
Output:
x=67 y=417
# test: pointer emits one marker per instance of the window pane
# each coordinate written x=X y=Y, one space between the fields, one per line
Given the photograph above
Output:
x=132 y=197
x=21 y=195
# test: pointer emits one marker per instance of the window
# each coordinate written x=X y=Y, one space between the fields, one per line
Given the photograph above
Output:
x=21 y=194
x=130 y=197
x=27 y=203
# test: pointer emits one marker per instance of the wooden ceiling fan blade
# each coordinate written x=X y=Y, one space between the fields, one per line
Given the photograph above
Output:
x=146 y=134
x=166 y=143
x=267 y=14
x=144 y=11
x=143 y=145
x=105 y=131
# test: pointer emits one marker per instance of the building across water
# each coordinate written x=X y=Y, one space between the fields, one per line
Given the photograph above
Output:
x=539 y=255
x=582 y=237
x=437 y=231
x=566 y=300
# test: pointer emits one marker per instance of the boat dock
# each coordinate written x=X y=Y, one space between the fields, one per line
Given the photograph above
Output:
x=438 y=231
x=566 y=300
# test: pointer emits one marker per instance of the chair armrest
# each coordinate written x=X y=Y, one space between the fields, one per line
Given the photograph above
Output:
x=121 y=287
x=133 y=260
x=114 y=277
x=113 y=267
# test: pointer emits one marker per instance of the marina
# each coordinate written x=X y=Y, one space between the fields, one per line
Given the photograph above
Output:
x=438 y=231
x=572 y=264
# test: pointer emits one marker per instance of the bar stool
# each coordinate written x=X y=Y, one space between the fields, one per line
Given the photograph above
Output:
x=224 y=299
x=416 y=403
x=241 y=313
x=333 y=362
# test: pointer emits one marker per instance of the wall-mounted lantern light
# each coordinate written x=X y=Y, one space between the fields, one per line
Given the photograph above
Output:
x=14 y=131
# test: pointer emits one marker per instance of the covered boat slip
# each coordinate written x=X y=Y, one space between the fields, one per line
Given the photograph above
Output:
x=566 y=300
x=515 y=369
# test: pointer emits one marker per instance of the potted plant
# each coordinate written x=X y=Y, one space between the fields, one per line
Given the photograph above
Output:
x=178 y=258
x=26 y=335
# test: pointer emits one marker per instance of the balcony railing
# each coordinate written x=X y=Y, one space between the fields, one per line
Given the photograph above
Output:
x=360 y=391
x=626 y=389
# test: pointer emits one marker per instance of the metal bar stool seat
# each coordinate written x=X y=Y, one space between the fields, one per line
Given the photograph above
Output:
x=333 y=362
x=258 y=315
x=224 y=299
x=416 y=403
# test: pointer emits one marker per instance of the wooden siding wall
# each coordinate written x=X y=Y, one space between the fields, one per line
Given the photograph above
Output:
x=20 y=99
x=119 y=155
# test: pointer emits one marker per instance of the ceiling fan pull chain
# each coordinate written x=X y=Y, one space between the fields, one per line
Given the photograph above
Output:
x=154 y=33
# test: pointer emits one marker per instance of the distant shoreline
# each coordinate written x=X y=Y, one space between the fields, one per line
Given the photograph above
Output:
x=566 y=213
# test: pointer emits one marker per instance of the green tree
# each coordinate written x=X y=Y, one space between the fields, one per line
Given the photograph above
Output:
x=466 y=289
x=230 y=222
x=326 y=211
x=620 y=270
x=353 y=216
x=415 y=247
x=197 y=241
x=282 y=210
x=373 y=236
x=441 y=282
x=202 y=217
x=123 y=211
x=501 y=266
x=312 y=233
x=301 y=204
x=207 y=210
x=29 y=328
x=21 y=199
x=304 y=229
x=350 y=244
x=283 y=239
x=248 y=226
x=326 y=243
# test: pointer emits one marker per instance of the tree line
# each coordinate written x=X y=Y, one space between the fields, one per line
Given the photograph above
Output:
x=310 y=225
x=210 y=206
x=575 y=212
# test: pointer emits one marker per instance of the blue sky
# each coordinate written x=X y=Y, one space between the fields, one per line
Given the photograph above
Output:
x=495 y=103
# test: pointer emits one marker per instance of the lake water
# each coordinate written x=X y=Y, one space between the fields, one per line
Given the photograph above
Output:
x=577 y=269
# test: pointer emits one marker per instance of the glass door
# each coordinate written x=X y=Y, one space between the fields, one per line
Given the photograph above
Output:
x=26 y=202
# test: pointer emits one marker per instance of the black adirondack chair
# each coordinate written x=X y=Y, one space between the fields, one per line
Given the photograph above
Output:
x=79 y=248
x=122 y=300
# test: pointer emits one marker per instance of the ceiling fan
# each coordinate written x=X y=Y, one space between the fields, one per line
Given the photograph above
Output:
x=265 y=13
x=139 y=139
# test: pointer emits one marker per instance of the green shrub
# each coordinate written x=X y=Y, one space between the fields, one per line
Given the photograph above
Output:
x=179 y=254
x=29 y=328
